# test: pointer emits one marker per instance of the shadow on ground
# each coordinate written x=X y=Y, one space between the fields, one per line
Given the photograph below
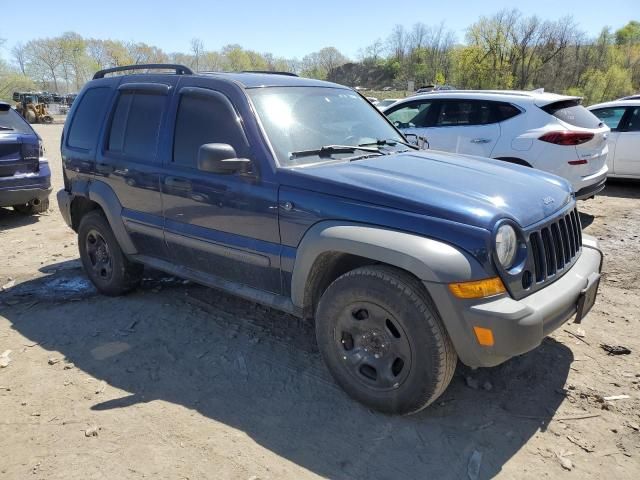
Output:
x=259 y=371
x=9 y=219
x=620 y=188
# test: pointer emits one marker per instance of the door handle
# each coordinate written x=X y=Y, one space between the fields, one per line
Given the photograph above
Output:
x=481 y=140
x=176 y=182
x=104 y=168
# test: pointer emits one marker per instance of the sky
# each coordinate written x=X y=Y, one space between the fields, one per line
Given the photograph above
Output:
x=283 y=27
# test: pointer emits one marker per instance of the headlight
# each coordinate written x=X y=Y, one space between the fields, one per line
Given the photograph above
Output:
x=506 y=245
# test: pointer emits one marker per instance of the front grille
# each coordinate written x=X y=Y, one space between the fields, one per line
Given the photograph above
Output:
x=555 y=246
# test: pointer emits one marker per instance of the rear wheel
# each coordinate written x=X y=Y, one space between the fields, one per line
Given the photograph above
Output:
x=31 y=117
x=383 y=340
x=104 y=262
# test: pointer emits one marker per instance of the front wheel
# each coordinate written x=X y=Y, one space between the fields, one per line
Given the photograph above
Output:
x=102 y=258
x=383 y=341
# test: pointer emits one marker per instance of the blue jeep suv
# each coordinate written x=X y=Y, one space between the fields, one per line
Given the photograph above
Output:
x=300 y=195
x=25 y=179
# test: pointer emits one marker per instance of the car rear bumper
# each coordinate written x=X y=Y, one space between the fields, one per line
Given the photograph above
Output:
x=518 y=326
x=591 y=190
x=22 y=188
x=589 y=185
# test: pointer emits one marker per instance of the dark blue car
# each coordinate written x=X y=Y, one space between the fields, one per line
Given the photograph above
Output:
x=25 y=178
x=299 y=194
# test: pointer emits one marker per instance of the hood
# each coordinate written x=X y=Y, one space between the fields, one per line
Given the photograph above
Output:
x=471 y=190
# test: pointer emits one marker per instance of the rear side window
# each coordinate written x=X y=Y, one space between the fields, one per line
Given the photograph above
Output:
x=85 y=126
x=11 y=121
x=571 y=112
x=504 y=111
x=135 y=125
x=610 y=116
x=205 y=119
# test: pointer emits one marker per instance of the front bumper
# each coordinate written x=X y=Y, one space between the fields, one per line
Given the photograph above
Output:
x=22 y=188
x=518 y=326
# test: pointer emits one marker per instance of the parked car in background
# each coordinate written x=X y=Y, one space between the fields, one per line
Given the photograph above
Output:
x=631 y=97
x=550 y=132
x=299 y=194
x=623 y=118
x=373 y=100
x=433 y=88
x=25 y=178
x=387 y=102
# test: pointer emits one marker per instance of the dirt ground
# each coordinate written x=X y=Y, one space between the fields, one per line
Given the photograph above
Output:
x=178 y=381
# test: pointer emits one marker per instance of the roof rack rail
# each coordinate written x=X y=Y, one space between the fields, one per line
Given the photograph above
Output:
x=179 y=69
x=289 y=74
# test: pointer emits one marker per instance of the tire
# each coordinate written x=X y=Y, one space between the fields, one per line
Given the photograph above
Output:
x=30 y=209
x=107 y=267
x=384 y=311
x=31 y=117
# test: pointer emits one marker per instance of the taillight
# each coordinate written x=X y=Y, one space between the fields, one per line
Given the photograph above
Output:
x=566 y=138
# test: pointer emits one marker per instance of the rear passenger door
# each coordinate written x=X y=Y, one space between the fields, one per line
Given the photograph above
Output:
x=129 y=161
x=463 y=126
x=223 y=225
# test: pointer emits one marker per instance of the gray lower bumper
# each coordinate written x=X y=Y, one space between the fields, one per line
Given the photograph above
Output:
x=22 y=196
x=518 y=326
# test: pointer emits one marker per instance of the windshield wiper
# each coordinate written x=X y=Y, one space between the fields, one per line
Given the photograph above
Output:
x=6 y=128
x=329 y=150
x=390 y=142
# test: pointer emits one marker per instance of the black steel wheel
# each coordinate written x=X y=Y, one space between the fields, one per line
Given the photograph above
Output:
x=104 y=262
x=383 y=341
x=98 y=255
x=374 y=346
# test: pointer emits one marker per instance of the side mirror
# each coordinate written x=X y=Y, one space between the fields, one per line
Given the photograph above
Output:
x=221 y=158
x=418 y=140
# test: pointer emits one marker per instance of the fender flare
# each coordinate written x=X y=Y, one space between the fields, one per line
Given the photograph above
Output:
x=104 y=196
x=428 y=259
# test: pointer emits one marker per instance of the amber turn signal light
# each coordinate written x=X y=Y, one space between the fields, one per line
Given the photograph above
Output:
x=478 y=288
x=484 y=336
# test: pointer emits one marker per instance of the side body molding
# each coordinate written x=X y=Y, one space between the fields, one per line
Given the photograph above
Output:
x=429 y=260
x=104 y=196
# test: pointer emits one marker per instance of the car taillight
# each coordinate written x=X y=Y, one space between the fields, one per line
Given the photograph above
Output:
x=31 y=152
x=566 y=138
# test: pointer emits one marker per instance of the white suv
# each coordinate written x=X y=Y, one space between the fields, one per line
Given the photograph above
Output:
x=542 y=130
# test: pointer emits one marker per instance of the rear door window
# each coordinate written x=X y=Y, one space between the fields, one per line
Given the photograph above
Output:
x=88 y=117
x=136 y=124
x=571 y=112
x=632 y=124
x=610 y=116
x=464 y=113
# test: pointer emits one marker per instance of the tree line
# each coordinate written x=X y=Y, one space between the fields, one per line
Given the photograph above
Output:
x=503 y=51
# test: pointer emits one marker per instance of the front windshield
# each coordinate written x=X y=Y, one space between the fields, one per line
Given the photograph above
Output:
x=308 y=118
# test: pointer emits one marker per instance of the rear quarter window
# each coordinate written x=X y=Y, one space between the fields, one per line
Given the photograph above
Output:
x=87 y=120
x=571 y=112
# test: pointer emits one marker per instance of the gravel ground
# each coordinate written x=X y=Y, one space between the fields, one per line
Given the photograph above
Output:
x=179 y=381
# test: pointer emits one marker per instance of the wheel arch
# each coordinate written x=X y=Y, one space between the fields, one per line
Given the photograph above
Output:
x=331 y=248
x=516 y=160
x=98 y=195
